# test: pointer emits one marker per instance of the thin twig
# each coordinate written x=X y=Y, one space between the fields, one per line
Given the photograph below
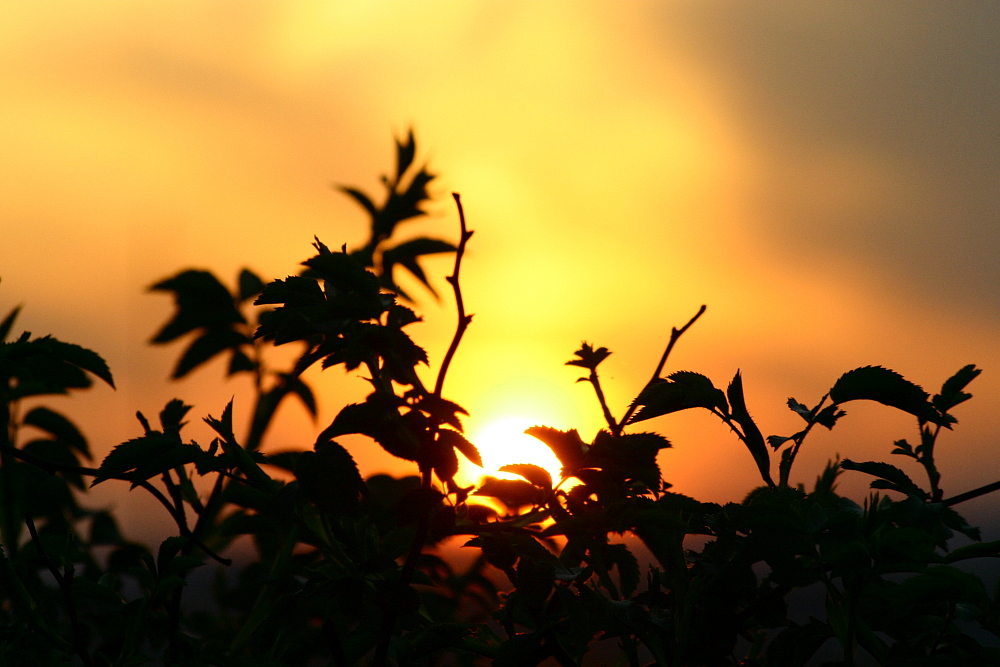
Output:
x=463 y=319
x=675 y=334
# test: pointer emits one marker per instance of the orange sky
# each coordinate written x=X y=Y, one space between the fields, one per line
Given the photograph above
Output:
x=824 y=177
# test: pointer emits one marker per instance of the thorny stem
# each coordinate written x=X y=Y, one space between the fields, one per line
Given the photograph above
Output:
x=675 y=335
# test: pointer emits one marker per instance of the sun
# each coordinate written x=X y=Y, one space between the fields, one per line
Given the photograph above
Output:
x=502 y=441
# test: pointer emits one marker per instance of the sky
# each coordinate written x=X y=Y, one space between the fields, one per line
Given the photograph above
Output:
x=823 y=176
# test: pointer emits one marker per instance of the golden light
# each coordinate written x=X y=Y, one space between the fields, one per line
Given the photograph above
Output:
x=503 y=441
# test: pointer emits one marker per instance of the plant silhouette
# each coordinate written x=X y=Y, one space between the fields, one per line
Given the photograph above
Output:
x=343 y=570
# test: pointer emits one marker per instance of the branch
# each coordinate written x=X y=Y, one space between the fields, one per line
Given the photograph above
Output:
x=675 y=335
x=463 y=319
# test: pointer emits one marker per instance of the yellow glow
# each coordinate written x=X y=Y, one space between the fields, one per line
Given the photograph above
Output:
x=503 y=441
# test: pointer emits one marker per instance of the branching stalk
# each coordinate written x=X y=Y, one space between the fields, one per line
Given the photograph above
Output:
x=675 y=335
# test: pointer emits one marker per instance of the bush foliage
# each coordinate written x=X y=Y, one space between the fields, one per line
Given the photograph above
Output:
x=343 y=570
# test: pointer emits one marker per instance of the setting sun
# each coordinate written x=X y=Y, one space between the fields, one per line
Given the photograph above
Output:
x=503 y=441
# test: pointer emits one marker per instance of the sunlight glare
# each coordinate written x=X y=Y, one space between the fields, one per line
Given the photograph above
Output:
x=503 y=441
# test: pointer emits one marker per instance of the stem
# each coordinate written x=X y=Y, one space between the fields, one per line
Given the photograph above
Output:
x=969 y=495
x=797 y=442
x=675 y=334
x=608 y=417
x=65 y=582
x=463 y=319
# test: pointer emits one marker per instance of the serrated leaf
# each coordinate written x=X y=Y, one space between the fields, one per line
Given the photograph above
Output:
x=887 y=387
x=537 y=475
x=59 y=426
x=144 y=457
x=458 y=441
x=81 y=357
x=752 y=437
x=951 y=392
x=678 y=391
x=291 y=291
x=891 y=477
x=568 y=447
x=628 y=457
x=329 y=478
x=206 y=346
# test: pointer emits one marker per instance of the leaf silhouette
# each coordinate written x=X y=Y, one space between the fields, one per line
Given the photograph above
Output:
x=752 y=436
x=678 y=391
x=537 y=475
x=568 y=447
x=876 y=383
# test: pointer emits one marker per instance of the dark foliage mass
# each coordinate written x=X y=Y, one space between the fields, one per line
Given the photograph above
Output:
x=343 y=570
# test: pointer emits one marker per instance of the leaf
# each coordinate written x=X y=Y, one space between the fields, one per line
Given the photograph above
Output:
x=202 y=302
x=236 y=452
x=628 y=567
x=458 y=441
x=59 y=426
x=240 y=363
x=172 y=415
x=628 y=457
x=80 y=357
x=951 y=392
x=206 y=346
x=887 y=387
x=829 y=415
x=513 y=493
x=304 y=392
x=144 y=457
x=588 y=357
x=752 y=436
x=361 y=198
x=679 y=391
x=566 y=445
x=329 y=478
x=250 y=285
x=890 y=477
x=8 y=323
x=405 y=152
x=291 y=291
x=405 y=254
x=537 y=475
x=800 y=409
x=378 y=418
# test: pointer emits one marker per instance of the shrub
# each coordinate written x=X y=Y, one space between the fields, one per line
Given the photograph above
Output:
x=342 y=573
